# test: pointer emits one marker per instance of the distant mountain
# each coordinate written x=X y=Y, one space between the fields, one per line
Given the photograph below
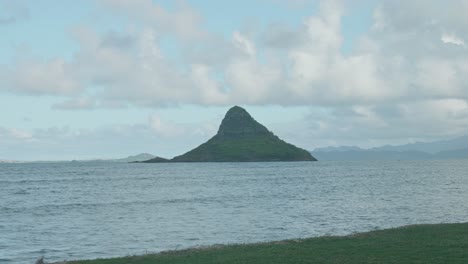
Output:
x=448 y=149
x=139 y=157
x=338 y=149
x=452 y=154
x=371 y=155
x=135 y=158
x=241 y=138
x=431 y=147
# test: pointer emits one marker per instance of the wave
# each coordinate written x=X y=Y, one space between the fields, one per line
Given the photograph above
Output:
x=69 y=206
x=76 y=180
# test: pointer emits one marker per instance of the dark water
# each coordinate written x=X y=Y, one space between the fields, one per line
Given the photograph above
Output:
x=93 y=210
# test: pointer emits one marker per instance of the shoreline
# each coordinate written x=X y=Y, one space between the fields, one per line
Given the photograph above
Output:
x=425 y=243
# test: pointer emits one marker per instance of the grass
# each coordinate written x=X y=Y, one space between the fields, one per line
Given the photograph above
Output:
x=441 y=243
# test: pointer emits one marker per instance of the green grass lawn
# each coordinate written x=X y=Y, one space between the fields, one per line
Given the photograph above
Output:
x=442 y=243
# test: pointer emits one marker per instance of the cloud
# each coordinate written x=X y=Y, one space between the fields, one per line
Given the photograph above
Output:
x=76 y=104
x=293 y=4
x=117 y=40
x=452 y=39
x=377 y=125
x=210 y=90
x=280 y=36
x=411 y=56
x=404 y=56
x=12 y=12
x=32 y=76
x=184 y=22
x=15 y=134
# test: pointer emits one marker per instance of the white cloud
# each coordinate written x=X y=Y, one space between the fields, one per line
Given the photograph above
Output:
x=19 y=134
x=452 y=39
x=210 y=90
x=439 y=77
x=244 y=44
x=401 y=57
x=36 y=77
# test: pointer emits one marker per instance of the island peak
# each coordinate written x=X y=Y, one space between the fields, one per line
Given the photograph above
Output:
x=241 y=138
x=239 y=124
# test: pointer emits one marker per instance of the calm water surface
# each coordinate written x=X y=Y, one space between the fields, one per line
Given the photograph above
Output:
x=93 y=210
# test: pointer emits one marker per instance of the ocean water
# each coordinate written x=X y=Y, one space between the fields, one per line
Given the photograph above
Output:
x=67 y=211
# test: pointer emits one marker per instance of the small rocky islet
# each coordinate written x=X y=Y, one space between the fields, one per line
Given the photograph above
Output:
x=241 y=138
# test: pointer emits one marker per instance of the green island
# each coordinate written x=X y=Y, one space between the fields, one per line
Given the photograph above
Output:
x=241 y=138
x=439 y=243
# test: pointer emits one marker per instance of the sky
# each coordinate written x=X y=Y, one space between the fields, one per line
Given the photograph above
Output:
x=112 y=78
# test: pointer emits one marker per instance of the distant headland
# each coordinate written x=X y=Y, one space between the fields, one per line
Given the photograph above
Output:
x=241 y=138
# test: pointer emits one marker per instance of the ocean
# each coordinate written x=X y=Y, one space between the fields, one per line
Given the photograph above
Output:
x=87 y=210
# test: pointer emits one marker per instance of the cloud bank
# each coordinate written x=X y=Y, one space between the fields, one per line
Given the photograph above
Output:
x=413 y=55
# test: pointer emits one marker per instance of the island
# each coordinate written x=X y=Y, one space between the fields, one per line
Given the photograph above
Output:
x=241 y=138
